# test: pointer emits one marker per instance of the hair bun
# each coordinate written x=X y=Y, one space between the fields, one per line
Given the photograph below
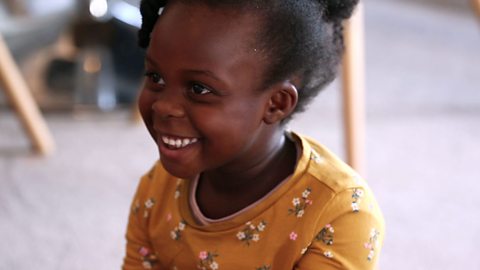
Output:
x=337 y=10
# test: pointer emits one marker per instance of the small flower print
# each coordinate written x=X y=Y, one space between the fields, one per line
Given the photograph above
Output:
x=326 y=235
x=328 y=254
x=136 y=207
x=372 y=243
x=356 y=198
x=169 y=217
x=251 y=232
x=265 y=267
x=148 y=259
x=316 y=157
x=241 y=235
x=148 y=205
x=177 y=190
x=296 y=201
x=207 y=261
x=355 y=207
x=214 y=266
x=300 y=204
x=147 y=265
x=176 y=234
x=203 y=255
x=181 y=226
x=293 y=236
x=143 y=251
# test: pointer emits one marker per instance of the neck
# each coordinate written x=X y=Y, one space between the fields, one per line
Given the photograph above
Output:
x=262 y=174
x=221 y=193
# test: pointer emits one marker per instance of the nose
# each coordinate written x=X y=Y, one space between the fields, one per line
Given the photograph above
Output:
x=168 y=105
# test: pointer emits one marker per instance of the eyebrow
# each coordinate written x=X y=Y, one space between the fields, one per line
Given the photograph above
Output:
x=208 y=73
x=150 y=60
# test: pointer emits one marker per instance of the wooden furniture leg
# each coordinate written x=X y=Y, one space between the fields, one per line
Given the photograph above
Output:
x=354 y=91
x=18 y=93
x=476 y=6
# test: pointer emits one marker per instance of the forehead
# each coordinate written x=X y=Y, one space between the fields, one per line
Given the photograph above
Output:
x=194 y=26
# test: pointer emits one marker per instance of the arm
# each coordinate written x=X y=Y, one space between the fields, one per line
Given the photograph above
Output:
x=139 y=252
x=351 y=239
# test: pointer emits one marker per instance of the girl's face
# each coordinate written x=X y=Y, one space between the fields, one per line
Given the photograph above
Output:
x=201 y=100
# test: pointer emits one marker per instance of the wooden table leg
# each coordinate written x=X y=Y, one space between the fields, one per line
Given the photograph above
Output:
x=23 y=102
x=354 y=91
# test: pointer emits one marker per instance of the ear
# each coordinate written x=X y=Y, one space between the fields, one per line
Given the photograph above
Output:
x=282 y=102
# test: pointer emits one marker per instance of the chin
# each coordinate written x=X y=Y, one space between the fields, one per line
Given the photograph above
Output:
x=178 y=171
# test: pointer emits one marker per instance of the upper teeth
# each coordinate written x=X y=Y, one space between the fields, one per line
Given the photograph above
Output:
x=178 y=142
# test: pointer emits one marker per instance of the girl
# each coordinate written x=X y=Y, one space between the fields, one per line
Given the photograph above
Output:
x=233 y=189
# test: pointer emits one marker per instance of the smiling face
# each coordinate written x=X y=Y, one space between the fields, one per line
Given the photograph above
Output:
x=201 y=100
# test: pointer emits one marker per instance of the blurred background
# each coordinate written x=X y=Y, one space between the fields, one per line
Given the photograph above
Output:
x=80 y=61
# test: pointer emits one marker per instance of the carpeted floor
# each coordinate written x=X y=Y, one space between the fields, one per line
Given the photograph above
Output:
x=69 y=211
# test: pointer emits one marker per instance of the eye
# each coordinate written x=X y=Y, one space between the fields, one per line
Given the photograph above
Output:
x=199 y=89
x=155 y=78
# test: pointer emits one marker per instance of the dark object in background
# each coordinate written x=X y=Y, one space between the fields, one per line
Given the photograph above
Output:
x=114 y=42
x=128 y=61
x=58 y=76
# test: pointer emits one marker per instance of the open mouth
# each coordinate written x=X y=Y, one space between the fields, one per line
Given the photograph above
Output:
x=178 y=143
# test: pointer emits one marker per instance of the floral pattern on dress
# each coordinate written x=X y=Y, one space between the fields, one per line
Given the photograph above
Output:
x=328 y=254
x=148 y=258
x=300 y=204
x=176 y=233
x=293 y=236
x=207 y=261
x=372 y=243
x=326 y=235
x=177 y=190
x=136 y=207
x=356 y=198
x=251 y=232
x=316 y=157
x=148 y=205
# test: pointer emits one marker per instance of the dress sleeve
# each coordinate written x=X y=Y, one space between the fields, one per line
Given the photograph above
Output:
x=139 y=251
x=350 y=237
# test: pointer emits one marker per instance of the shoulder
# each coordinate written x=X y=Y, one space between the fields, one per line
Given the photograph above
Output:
x=349 y=225
x=329 y=169
x=342 y=190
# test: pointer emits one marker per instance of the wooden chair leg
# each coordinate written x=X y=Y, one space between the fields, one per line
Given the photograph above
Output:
x=23 y=102
x=476 y=6
x=354 y=91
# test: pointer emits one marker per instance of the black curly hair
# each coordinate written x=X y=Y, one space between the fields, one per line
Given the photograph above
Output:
x=299 y=37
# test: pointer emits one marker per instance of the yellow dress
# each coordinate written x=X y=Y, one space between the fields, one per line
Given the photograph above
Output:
x=323 y=216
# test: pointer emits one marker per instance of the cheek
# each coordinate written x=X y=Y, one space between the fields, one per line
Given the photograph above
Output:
x=145 y=102
x=232 y=120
